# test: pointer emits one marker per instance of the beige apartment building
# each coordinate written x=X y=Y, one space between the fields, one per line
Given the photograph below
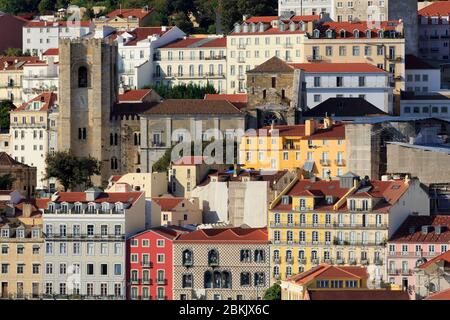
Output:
x=22 y=255
x=187 y=172
x=177 y=211
x=196 y=60
x=11 y=72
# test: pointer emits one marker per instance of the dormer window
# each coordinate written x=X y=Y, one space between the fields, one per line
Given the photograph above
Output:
x=252 y=27
x=329 y=34
x=302 y=26
x=302 y=204
x=292 y=26
x=91 y=207
x=392 y=34
x=285 y=199
x=381 y=34
x=119 y=207
x=281 y=26
x=5 y=233
x=237 y=28
x=64 y=207
x=35 y=233
x=343 y=33
x=20 y=233
x=316 y=33
x=261 y=27
x=78 y=207
x=368 y=34
x=356 y=33
x=245 y=27
x=352 y=204
x=329 y=199
x=105 y=207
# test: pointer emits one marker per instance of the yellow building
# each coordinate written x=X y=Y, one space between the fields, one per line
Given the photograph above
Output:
x=342 y=222
x=22 y=254
x=317 y=149
x=11 y=72
x=324 y=277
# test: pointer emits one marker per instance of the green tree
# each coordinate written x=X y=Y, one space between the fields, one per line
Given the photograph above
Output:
x=14 y=52
x=70 y=170
x=273 y=293
x=6 y=182
x=46 y=5
x=5 y=108
x=183 y=91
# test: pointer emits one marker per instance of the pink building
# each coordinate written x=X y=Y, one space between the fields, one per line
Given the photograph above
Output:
x=434 y=31
x=418 y=238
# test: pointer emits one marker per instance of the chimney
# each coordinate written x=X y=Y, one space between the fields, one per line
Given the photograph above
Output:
x=163 y=28
x=310 y=127
x=327 y=122
x=26 y=210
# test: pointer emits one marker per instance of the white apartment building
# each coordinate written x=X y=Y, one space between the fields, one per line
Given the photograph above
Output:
x=39 y=36
x=33 y=134
x=136 y=53
x=85 y=242
x=198 y=61
x=258 y=39
x=347 y=80
x=40 y=76
x=421 y=77
x=436 y=105
x=305 y=7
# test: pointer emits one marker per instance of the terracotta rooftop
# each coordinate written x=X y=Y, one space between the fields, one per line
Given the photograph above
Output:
x=47 y=100
x=142 y=33
x=441 y=295
x=7 y=160
x=444 y=257
x=330 y=272
x=200 y=42
x=15 y=63
x=269 y=19
x=271 y=30
x=273 y=65
x=238 y=100
x=436 y=9
x=389 y=192
x=167 y=203
x=193 y=106
x=169 y=232
x=51 y=52
x=337 y=131
x=110 y=197
x=406 y=234
x=226 y=235
x=134 y=95
x=415 y=63
x=357 y=294
x=338 y=68
x=131 y=108
x=134 y=12
x=361 y=26
x=57 y=24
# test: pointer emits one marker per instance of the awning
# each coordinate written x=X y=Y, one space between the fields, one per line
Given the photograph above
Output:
x=308 y=166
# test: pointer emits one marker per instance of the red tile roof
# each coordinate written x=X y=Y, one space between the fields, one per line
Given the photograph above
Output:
x=441 y=295
x=168 y=232
x=438 y=8
x=193 y=106
x=338 y=67
x=48 y=100
x=110 y=197
x=357 y=294
x=226 y=235
x=238 y=100
x=445 y=257
x=125 y=13
x=51 y=52
x=403 y=233
x=166 y=203
x=361 y=26
x=415 y=63
x=41 y=24
x=389 y=191
x=7 y=160
x=15 y=63
x=269 y=19
x=337 y=131
x=200 y=42
x=134 y=95
x=142 y=33
x=330 y=272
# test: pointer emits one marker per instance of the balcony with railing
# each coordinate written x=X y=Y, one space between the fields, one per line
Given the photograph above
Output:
x=339 y=162
x=75 y=236
x=325 y=162
x=315 y=58
x=147 y=264
x=394 y=57
x=161 y=282
x=289 y=260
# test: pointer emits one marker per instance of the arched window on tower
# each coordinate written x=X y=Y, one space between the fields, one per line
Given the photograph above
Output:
x=82 y=77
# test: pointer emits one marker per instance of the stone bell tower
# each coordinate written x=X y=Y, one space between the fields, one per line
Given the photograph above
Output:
x=87 y=93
